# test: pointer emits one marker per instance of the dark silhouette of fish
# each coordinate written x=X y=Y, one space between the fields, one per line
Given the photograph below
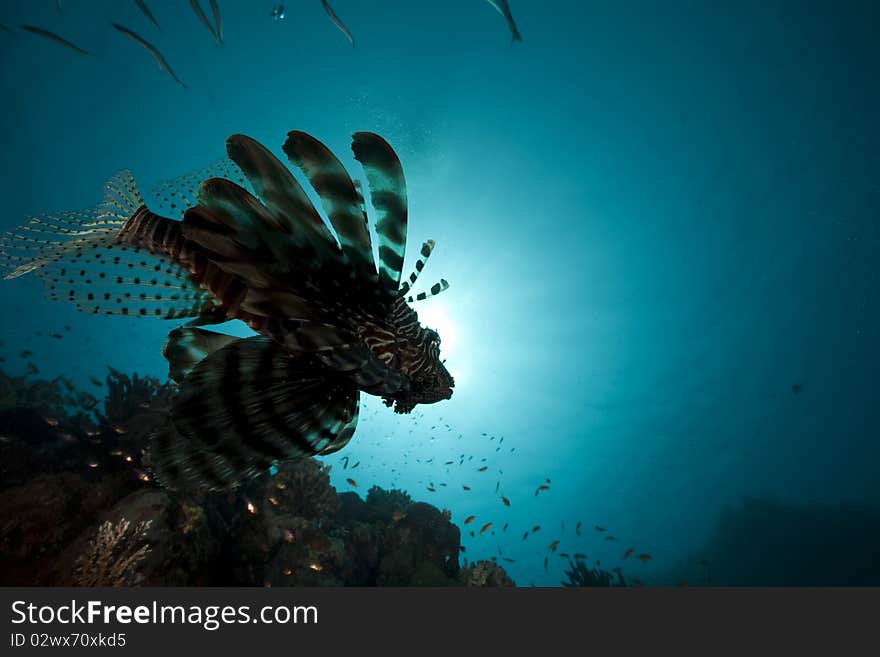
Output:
x=150 y=49
x=46 y=34
x=146 y=11
x=504 y=9
x=218 y=21
x=331 y=320
x=337 y=22
x=197 y=8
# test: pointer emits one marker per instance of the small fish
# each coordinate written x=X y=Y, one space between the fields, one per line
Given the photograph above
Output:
x=150 y=49
x=197 y=8
x=577 y=529
x=431 y=489
x=345 y=458
x=337 y=22
x=316 y=567
x=472 y=533
x=397 y=516
x=554 y=545
x=542 y=487
x=505 y=501
x=536 y=528
x=466 y=487
x=485 y=528
x=146 y=12
x=610 y=538
x=469 y=519
x=628 y=553
x=525 y=535
x=351 y=482
x=56 y=336
x=504 y=9
x=483 y=469
x=51 y=421
x=506 y=525
x=449 y=463
x=497 y=486
x=54 y=37
x=96 y=382
x=599 y=529
x=564 y=555
x=218 y=22
x=644 y=557
x=508 y=559
x=355 y=465
x=546 y=561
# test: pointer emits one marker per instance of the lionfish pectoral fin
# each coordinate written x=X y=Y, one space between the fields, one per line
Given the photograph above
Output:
x=187 y=346
x=388 y=197
x=80 y=258
x=247 y=406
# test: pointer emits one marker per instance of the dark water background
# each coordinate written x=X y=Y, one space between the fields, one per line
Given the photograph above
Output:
x=659 y=221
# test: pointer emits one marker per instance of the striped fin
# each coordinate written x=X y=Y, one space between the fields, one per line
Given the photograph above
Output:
x=187 y=346
x=424 y=254
x=284 y=198
x=388 y=196
x=436 y=289
x=247 y=406
x=231 y=225
x=339 y=198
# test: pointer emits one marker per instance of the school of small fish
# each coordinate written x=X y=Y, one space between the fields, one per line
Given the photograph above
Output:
x=213 y=24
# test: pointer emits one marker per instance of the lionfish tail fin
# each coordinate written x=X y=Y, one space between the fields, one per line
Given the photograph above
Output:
x=69 y=235
x=245 y=407
x=114 y=259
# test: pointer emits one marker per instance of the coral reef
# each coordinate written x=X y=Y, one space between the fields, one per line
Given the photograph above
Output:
x=485 y=574
x=128 y=396
x=581 y=575
x=113 y=555
x=78 y=508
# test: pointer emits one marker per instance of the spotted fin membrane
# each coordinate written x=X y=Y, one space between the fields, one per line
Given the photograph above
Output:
x=78 y=258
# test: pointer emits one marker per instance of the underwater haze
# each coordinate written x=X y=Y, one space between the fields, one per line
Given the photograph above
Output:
x=659 y=223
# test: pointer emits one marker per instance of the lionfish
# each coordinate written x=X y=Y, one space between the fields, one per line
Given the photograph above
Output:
x=330 y=321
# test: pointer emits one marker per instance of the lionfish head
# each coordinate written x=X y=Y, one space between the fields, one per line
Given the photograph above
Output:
x=430 y=381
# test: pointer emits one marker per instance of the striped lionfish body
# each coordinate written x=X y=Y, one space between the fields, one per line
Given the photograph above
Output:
x=330 y=321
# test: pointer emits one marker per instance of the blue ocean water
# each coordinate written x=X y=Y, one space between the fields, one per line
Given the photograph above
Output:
x=659 y=222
